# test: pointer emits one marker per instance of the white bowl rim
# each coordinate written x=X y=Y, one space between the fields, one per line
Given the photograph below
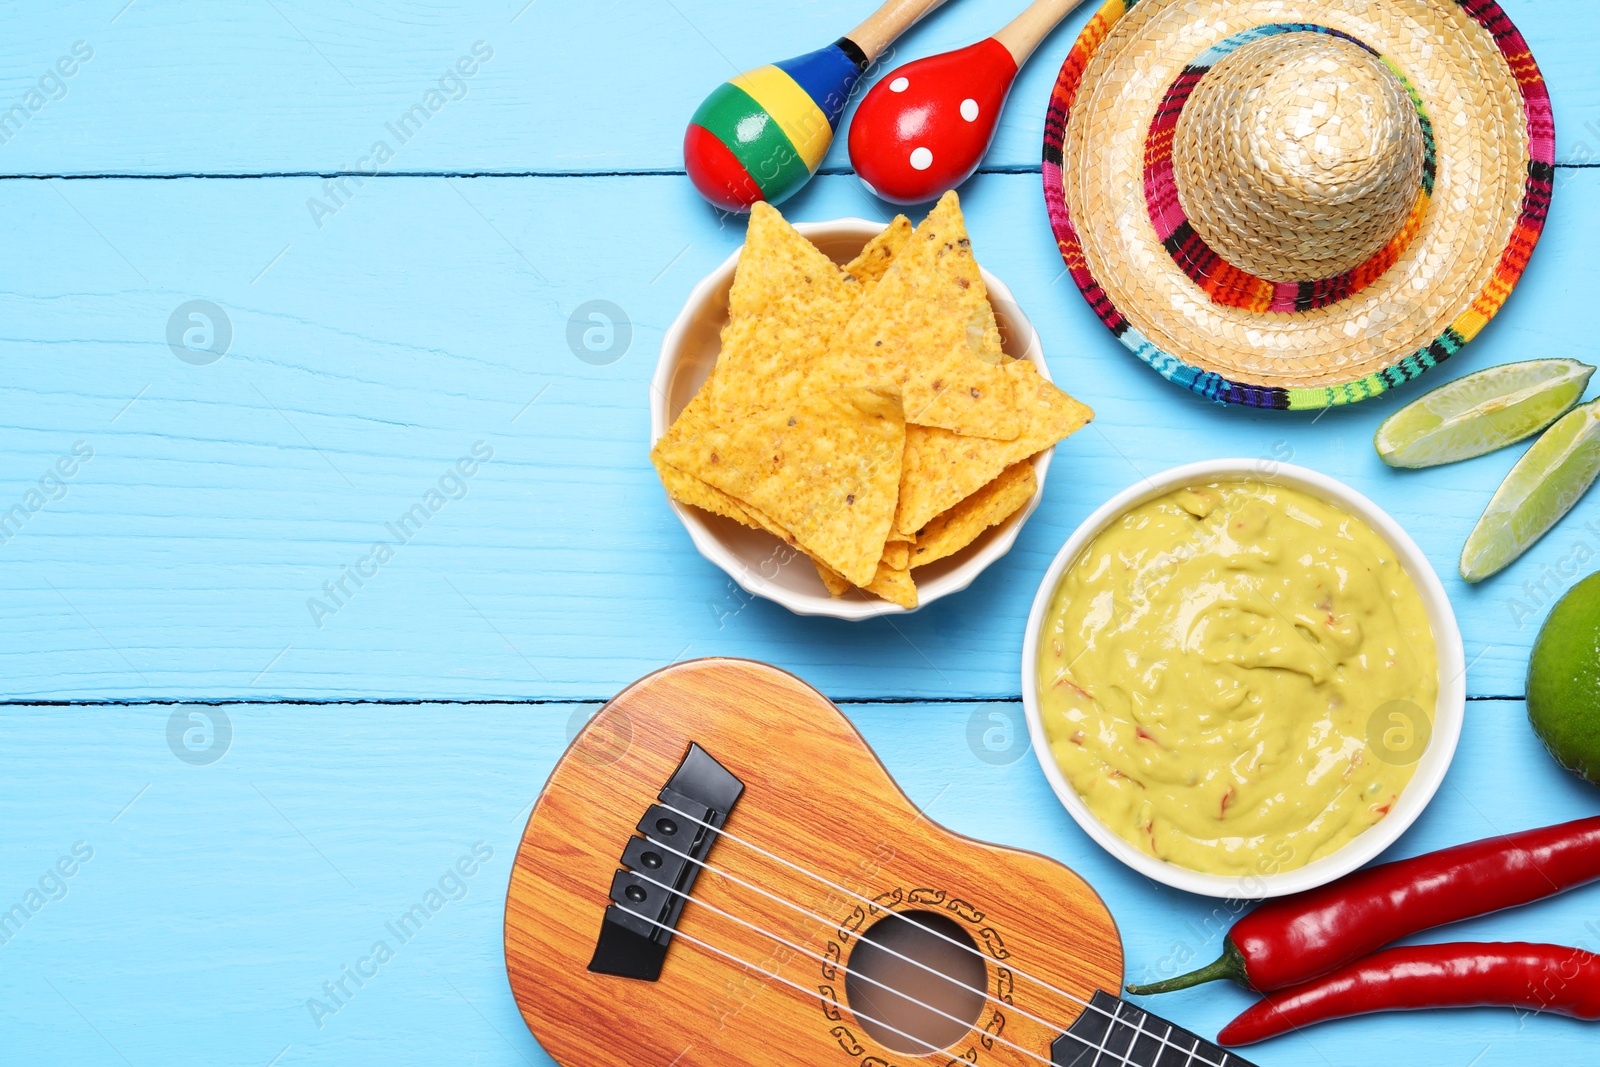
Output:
x=854 y=606
x=1448 y=715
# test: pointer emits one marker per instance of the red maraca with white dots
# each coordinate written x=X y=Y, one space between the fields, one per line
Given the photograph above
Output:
x=925 y=126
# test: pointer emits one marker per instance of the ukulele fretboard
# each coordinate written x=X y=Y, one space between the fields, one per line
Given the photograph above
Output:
x=1113 y=1033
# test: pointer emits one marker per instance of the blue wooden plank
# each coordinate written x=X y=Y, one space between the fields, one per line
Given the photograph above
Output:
x=429 y=315
x=296 y=85
x=220 y=897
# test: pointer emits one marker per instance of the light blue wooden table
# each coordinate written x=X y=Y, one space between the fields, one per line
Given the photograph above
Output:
x=376 y=329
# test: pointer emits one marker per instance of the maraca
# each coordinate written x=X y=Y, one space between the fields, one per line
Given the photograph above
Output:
x=762 y=135
x=925 y=126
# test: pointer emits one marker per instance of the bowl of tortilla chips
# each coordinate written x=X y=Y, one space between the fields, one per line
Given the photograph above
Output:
x=854 y=419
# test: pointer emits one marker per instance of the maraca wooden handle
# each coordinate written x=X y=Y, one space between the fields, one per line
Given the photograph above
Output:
x=1022 y=34
x=889 y=22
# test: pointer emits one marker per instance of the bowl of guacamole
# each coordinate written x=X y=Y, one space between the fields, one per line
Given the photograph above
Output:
x=1243 y=679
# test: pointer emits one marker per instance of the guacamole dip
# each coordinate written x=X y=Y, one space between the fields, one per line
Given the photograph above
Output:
x=1237 y=678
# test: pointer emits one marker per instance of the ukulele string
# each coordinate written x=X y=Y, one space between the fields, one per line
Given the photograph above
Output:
x=1017 y=972
x=1192 y=1054
x=932 y=1048
x=881 y=985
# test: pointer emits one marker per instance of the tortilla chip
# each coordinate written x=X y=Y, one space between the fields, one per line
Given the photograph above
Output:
x=983 y=336
x=893 y=585
x=896 y=535
x=788 y=303
x=874 y=260
x=963 y=399
x=687 y=489
x=911 y=332
x=695 y=418
x=835 y=584
x=690 y=490
x=832 y=579
x=825 y=467
x=953 y=530
x=897 y=555
x=691 y=422
x=942 y=468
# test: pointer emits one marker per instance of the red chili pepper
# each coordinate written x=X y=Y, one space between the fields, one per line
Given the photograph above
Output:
x=1551 y=978
x=1285 y=942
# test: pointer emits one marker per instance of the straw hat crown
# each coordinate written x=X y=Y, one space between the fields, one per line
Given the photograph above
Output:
x=1299 y=156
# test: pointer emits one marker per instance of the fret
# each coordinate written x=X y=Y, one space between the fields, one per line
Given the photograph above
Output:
x=1114 y=1032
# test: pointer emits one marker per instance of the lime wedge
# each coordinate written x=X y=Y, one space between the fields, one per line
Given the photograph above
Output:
x=1550 y=477
x=1484 y=411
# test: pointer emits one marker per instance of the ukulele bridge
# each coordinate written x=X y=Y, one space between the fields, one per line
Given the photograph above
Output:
x=677 y=835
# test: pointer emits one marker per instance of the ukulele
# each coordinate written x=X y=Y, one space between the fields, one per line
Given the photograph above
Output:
x=720 y=872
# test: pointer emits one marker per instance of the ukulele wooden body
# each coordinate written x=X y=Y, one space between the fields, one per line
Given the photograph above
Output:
x=819 y=846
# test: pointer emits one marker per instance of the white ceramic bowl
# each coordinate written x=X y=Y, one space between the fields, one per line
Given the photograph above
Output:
x=1430 y=769
x=751 y=557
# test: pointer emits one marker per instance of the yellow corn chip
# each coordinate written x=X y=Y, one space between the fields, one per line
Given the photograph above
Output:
x=875 y=259
x=687 y=489
x=691 y=490
x=891 y=581
x=983 y=336
x=692 y=421
x=788 y=303
x=953 y=530
x=896 y=535
x=942 y=468
x=761 y=521
x=893 y=585
x=897 y=555
x=825 y=467
x=836 y=585
x=911 y=331
x=832 y=579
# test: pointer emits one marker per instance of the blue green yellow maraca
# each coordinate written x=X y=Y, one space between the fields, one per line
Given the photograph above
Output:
x=762 y=134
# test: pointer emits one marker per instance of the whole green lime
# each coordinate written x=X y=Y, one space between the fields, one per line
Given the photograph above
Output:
x=1564 y=680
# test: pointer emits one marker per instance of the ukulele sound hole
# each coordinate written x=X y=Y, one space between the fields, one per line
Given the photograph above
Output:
x=900 y=1003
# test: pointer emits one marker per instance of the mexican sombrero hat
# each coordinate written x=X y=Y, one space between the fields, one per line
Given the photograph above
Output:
x=1297 y=203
